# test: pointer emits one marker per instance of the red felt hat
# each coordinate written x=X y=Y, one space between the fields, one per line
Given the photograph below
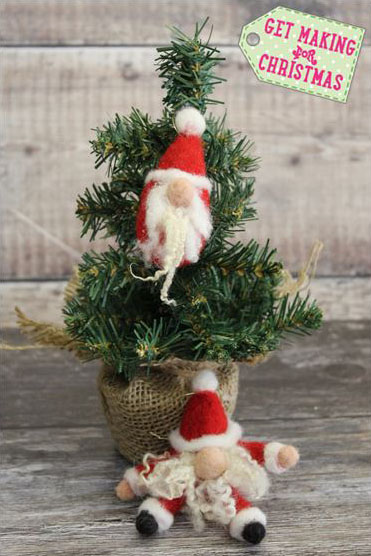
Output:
x=204 y=422
x=185 y=156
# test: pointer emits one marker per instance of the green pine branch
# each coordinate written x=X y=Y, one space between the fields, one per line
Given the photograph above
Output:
x=186 y=67
x=131 y=144
x=227 y=153
x=227 y=303
x=105 y=209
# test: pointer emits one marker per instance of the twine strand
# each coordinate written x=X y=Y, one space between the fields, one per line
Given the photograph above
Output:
x=72 y=285
x=306 y=274
x=4 y=346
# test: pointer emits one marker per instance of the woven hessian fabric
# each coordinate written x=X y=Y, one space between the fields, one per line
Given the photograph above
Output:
x=142 y=412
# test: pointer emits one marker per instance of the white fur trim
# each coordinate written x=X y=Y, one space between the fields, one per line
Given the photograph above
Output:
x=225 y=440
x=132 y=476
x=270 y=457
x=190 y=121
x=248 y=515
x=170 y=174
x=204 y=380
x=246 y=474
x=163 y=517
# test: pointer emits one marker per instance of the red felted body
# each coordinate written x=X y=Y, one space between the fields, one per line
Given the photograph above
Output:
x=141 y=227
x=240 y=502
x=174 y=505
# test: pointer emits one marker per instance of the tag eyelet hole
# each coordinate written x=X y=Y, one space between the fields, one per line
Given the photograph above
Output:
x=253 y=39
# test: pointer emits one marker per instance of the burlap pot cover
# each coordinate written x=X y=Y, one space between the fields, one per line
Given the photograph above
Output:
x=142 y=412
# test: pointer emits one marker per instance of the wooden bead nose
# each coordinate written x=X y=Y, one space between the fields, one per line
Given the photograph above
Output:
x=210 y=463
x=180 y=192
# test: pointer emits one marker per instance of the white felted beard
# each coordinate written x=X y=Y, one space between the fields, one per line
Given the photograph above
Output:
x=183 y=229
x=212 y=499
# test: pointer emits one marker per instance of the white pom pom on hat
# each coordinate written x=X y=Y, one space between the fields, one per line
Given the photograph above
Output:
x=205 y=380
x=190 y=121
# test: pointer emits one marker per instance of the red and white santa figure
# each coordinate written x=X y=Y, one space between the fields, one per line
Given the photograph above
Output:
x=210 y=472
x=173 y=221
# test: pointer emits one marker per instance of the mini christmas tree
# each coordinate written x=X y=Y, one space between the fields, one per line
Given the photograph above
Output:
x=228 y=303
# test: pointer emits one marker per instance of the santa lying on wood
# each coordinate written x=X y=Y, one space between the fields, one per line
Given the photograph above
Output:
x=210 y=471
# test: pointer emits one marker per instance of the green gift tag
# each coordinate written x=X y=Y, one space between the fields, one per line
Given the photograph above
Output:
x=303 y=52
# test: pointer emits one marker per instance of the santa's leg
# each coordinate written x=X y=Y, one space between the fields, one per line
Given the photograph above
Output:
x=249 y=522
x=157 y=514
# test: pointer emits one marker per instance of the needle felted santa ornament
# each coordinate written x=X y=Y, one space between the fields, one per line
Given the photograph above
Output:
x=173 y=221
x=210 y=471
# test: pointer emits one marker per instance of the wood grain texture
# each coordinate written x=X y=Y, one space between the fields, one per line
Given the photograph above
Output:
x=313 y=182
x=128 y=22
x=59 y=466
x=340 y=298
x=59 y=483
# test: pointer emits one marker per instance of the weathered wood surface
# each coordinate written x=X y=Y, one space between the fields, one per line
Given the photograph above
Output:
x=320 y=376
x=340 y=299
x=118 y=22
x=313 y=181
x=59 y=466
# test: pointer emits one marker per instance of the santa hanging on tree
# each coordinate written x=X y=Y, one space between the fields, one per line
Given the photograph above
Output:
x=210 y=472
x=173 y=221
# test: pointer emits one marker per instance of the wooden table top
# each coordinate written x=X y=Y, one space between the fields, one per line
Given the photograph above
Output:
x=59 y=466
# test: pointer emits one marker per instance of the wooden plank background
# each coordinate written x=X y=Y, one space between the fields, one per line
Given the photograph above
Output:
x=68 y=66
x=143 y=22
x=341 y=298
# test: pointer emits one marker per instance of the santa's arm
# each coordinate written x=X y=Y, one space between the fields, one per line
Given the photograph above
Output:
x=132 y=483
x=274 y=456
